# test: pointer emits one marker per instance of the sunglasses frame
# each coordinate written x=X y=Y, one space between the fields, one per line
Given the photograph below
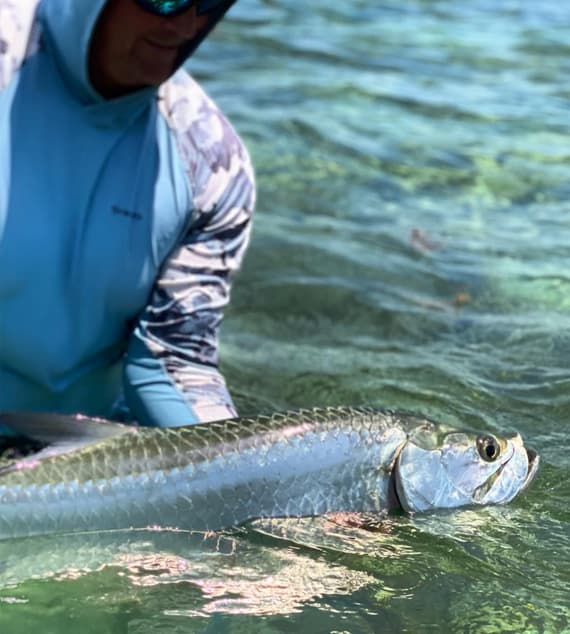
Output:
x=149 y=6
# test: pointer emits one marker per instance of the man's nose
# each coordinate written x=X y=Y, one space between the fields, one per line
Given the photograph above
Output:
x=186 y=25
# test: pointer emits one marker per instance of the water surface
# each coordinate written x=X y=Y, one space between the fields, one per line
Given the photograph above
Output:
x=410 y=251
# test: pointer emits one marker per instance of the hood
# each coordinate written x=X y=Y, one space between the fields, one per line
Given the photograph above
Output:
x=68 y=26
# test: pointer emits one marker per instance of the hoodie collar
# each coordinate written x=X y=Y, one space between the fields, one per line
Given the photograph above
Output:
x=68 y=26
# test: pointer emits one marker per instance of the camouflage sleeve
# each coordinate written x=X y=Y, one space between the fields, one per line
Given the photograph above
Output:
x=17 y=37
x=172 y=369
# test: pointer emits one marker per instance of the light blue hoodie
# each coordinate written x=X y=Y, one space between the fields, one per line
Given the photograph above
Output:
x=121 y=224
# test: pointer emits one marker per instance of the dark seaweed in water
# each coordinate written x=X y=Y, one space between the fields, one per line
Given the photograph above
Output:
x=17 y=447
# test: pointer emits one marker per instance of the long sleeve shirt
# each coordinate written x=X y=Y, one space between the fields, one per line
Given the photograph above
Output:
x=122 y=223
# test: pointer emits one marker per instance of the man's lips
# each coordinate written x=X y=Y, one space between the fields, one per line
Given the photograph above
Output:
x=164 y=47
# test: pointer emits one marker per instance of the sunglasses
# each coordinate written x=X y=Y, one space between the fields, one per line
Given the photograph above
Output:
x=174 y=7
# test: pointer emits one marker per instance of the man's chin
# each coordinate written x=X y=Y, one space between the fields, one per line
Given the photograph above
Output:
x=157 y=76
x=155 y=68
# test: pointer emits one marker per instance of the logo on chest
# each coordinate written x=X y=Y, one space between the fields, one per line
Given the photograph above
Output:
x=120 y=211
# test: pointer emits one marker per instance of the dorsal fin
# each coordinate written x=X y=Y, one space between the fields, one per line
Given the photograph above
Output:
x=58 y=434
x=54 y=428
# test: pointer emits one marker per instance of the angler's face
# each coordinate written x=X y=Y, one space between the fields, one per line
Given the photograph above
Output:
x=132 y=48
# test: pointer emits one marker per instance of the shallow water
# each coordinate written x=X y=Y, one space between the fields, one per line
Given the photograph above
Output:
x=410 y=251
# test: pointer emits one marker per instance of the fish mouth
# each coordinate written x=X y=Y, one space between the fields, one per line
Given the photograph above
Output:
x=533 y=462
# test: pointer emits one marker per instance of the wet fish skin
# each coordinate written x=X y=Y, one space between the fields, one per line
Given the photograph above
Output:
x=208 y=476
x=214 y=475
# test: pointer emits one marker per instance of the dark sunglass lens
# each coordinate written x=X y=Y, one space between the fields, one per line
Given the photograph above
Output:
x=165 y=7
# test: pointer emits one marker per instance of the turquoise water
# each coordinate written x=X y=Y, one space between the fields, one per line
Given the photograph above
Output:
x=411 y=251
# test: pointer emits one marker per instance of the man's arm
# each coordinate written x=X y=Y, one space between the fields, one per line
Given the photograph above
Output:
x=17 y=37
x=171 y=372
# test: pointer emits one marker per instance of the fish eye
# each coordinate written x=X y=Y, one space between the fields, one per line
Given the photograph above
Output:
x=488 y=448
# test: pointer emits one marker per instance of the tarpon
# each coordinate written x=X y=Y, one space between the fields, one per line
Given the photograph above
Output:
x=97 y=475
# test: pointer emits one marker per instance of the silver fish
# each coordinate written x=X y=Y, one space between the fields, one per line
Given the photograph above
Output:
x=97 y=475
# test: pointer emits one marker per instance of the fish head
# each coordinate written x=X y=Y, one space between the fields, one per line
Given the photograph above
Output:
x=445 y=468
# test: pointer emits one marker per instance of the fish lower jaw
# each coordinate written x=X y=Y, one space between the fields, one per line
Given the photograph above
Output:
x=533 y=464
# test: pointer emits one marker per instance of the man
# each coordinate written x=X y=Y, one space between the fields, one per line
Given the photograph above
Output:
x=125 y=207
